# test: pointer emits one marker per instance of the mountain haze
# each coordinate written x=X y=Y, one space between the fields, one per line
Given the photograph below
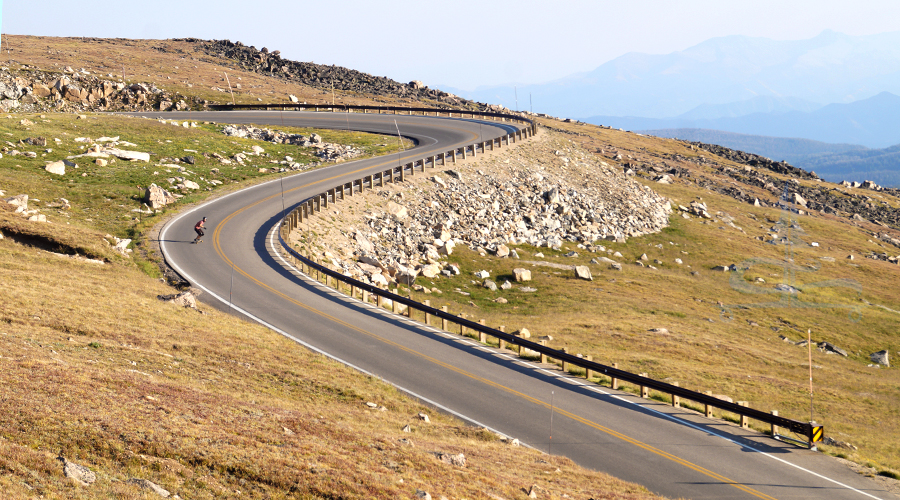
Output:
x=829 y=68
x=872 y=122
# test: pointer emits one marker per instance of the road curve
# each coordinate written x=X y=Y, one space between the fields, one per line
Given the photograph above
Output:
x=671 y=451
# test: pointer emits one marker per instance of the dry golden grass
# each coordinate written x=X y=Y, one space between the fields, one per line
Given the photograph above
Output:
x=96 y=369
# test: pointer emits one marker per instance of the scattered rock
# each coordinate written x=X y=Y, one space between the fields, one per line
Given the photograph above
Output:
x=183 y=299
x=458 y=460
x=881 y=358
x=423 y=417
x=156 y=197
x=522 y=274
x=56 y=167
x=80 y=474
x=829 y=441
x=829 y=348
x=584 y=272
x=146 y=484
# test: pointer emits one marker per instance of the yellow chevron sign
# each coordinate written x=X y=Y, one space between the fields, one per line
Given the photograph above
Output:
x=817 y=433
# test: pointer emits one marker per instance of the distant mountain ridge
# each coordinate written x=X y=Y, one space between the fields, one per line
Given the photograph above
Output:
x=829 y=68
x=873 y=122
x=832 y=162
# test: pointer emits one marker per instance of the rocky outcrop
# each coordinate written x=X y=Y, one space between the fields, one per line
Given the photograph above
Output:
x=323 y=76
x=30 y=90
x=323 y=150
x=781 y=167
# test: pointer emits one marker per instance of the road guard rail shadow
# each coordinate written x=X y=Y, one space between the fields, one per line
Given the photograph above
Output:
x=307 y=208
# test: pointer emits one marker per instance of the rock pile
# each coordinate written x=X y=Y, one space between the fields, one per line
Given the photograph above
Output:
x=781 y=167
x=494 y=204
x=31 y=90
x=323 y=150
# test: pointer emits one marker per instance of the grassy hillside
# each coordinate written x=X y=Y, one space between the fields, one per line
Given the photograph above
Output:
x=98 y=371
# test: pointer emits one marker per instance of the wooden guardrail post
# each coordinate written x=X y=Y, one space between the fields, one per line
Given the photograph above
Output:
x=379 y=300
x=707 y=409
x=774 y=427
x=462 y=329
x=444 y=320
x=427 y=315
x=745 y=422
x=365 y=296
x=645 y=391
x=501 y=342
x=676 y=400
x=543 y=356
x=588 y=373
x=614 y=383
x=565 y=364
x=482 y=337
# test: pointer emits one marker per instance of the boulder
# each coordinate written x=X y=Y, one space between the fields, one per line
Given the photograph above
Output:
x=80 y=474
x=406 y=277
x=482 y=274
x=379 y=280
x=502 y=251
x=40 y=90
x=128 y=155
x=881 y=358
x=20 y=201
x=431 y=270
x=156 y=197
x=183 y=299
x=148 y=485
x=584 y=272
x=522 y=274
x=458 y=460
x=56 y=167
x=188 y=184
x=829 y=348
x=397 y=211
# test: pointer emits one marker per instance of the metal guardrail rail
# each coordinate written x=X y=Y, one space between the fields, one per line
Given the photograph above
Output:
x=308 y=207
x=379 y=109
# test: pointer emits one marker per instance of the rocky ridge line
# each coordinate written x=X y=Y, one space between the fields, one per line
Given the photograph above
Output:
x=270 y=63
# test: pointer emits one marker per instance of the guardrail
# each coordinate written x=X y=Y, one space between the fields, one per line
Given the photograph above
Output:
x=379 y=110
x=310 y=206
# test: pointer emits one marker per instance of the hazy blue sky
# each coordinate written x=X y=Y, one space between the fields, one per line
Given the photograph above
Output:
x=459 y=43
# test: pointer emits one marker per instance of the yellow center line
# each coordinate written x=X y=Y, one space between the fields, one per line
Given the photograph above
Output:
x=577 y=418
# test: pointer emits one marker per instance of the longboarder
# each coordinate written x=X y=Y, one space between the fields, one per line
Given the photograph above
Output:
x=199 y=229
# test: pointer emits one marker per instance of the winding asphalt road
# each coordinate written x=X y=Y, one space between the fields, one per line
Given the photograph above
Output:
x=671 y=451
